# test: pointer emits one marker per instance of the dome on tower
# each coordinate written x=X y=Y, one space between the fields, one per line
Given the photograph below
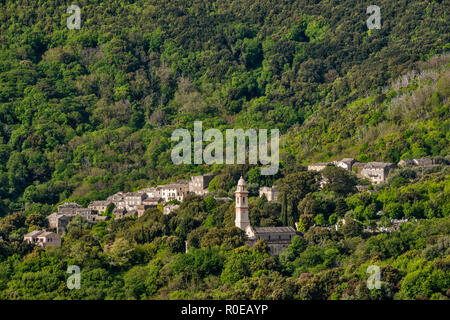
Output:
x=241 y=182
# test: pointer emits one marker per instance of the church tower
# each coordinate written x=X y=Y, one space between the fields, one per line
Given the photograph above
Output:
x=241 y=220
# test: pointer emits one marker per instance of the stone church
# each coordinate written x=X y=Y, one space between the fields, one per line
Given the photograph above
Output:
x=277 y=238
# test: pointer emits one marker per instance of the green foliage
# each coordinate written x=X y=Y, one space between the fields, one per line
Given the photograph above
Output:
x=86 y=113
x=339 y=180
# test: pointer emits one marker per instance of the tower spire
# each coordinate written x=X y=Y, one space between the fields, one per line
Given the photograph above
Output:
x=241 y=221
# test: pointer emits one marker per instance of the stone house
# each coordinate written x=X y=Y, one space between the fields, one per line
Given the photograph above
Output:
x=119 y=213
x=120 y=204
x=100 y=206
x=345 y=163
x=317 y=166
x=199 y=184
x=151 y=192
x=132 y=213
x=424 y=162
x=123 y=213
x=43 y=238
x=116 y=197
x=90 y=215
x=357 y=168
x=59 y=221
x=141 y=209
x=68 y=208
x=99 y=218
x=133 y=199
x=270 y=193
x=169 y=208
x=377 y=172
x=53 y=220
x=277 y=238
x=152 y=201
x=406 y=163
x=175 y=191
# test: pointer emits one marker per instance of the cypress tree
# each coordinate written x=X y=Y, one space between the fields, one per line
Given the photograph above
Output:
x=284 y=214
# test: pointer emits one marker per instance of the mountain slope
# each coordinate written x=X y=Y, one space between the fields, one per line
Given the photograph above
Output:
x=84 y=113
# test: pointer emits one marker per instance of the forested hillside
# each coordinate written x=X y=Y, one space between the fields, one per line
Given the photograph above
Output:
x=90 y=112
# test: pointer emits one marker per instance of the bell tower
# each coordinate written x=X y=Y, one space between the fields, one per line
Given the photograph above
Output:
x=241 y=193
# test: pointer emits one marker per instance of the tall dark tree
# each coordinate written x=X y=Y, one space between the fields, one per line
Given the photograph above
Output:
x=296 y=186
x=341 y=207
x=339 y=180
x=284 y=214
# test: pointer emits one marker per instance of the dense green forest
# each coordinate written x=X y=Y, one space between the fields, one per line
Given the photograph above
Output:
x=86 y=113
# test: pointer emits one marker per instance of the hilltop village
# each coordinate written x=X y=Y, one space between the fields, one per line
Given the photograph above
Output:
x=134 y=204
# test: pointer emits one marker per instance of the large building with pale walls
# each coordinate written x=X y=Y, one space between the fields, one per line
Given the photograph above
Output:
x=43 y=238
x=345 y=163
x=175 y=191
x=270 y=193
x=133 y=199
x=151 y=192
x=199 y=184
x=142 y=208
x=59 y=221
x=100 y=206
x=169 y=208
x=377 y=172
x=277 y=238
x=68 y=208
x=317 y=166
